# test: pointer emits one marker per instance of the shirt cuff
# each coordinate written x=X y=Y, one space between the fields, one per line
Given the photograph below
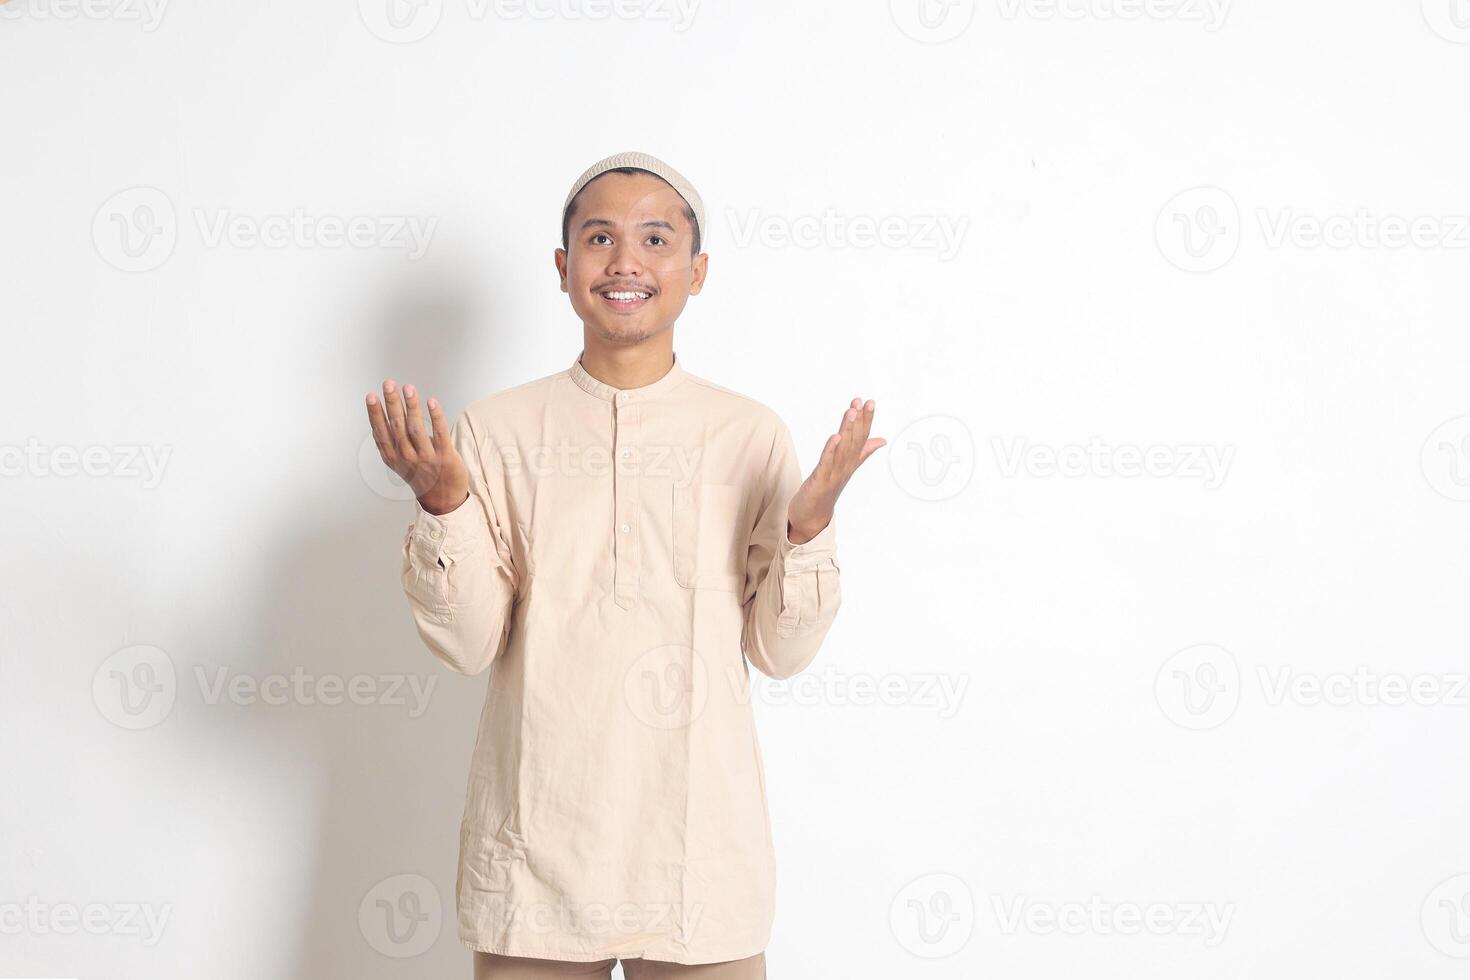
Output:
x=808 y=554
x=454 y=532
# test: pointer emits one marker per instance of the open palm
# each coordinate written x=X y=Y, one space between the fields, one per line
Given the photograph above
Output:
x=815 y=500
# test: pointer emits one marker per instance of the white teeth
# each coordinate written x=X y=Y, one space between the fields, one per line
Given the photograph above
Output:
x=626 y=297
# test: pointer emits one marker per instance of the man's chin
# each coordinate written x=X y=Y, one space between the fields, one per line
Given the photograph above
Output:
x=624 y=330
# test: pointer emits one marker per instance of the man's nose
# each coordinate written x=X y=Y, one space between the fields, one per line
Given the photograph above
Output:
x=624 y=261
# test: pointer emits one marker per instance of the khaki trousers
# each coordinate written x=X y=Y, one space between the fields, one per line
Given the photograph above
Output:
x=492 y=966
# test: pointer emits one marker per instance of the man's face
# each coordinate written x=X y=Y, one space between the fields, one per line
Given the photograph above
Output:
x=628 y=234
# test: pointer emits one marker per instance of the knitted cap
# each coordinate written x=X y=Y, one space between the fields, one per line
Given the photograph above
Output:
x=653 y=164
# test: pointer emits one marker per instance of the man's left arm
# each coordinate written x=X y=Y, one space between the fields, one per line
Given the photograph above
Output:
x=792 y=579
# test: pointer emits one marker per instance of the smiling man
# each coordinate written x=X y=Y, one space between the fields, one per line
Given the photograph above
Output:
x=621 y=540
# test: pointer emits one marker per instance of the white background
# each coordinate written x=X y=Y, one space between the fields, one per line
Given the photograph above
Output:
x=1095 y=297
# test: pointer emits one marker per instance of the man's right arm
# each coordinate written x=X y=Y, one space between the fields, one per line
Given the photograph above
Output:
x=457 y=570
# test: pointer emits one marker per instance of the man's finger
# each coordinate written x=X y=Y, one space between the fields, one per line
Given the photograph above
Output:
x=864 y=424
x=849 y=436
x=379 y=424
x=871 y=447
x=828 y=460
x=393 y=405
x=414 y=421
x=440 y=424
x=865 y=421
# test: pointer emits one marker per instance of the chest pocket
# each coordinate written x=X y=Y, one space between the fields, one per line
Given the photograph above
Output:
x=709 y=536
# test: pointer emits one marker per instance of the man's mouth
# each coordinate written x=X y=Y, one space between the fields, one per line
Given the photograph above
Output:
x=625 y=300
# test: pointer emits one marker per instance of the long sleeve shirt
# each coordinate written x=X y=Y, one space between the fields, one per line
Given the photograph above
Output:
x=621 y=561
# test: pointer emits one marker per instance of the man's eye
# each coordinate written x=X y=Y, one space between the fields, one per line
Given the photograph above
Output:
x=656 y=239
x=599 y=235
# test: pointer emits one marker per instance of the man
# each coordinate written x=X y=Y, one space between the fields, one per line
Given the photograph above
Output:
x=620 y=539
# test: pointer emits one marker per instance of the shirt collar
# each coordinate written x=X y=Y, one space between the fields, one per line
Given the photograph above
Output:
x=673 y=377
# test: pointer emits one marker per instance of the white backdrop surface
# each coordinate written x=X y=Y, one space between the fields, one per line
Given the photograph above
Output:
x=1152 y=660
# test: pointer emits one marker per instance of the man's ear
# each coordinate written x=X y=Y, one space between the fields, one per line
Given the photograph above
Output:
x=701 y=269
x=560 y=256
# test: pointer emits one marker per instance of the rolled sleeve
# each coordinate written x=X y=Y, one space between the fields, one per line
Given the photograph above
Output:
x=443 y=538
x=457 y=570
x=793 y=591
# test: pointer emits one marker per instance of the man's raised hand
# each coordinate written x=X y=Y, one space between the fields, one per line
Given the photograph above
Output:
x=426 y=461
x=812 y=505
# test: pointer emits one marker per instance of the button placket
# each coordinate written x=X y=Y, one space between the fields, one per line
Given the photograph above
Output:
x=626 y=543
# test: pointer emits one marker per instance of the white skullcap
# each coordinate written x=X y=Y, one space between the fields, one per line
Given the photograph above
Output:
x=652 y=164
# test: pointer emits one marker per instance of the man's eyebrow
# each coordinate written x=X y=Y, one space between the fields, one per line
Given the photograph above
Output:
x=604 y=223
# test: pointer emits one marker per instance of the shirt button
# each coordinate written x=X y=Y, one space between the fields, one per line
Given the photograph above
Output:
x=625 y=529
x=436 y=534
x=627 y=453
x=622 y=396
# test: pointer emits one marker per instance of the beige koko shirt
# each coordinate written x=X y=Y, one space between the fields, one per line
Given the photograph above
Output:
x=621 y=560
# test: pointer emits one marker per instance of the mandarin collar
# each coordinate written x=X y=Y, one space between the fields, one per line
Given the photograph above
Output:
x=673 y=377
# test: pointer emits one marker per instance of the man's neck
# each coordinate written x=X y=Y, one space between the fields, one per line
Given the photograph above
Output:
x=628 y=367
